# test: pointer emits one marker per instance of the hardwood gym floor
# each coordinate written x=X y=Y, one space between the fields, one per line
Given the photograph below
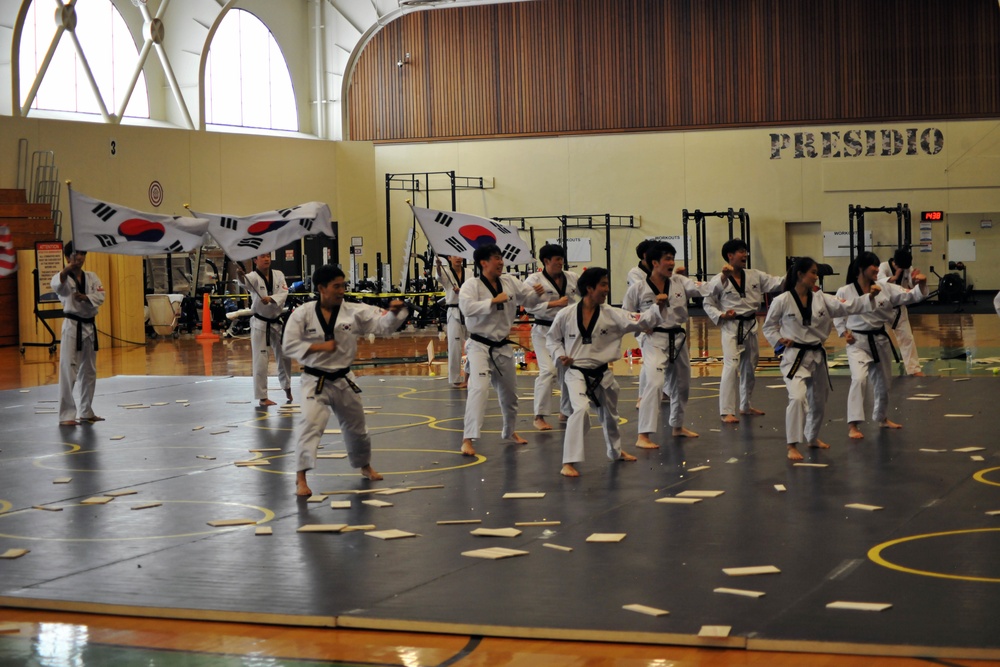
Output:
x=49 y=638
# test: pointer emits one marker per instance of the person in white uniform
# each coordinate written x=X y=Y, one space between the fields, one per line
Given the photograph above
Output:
x=899 y=271
x=797 y=325
x=996 y=303
x=451 y=275
x=585 y=338
x=665 y=360
x=640 y=272
x=322 y=335
x=734 y=297
x=81 y=294
x=268 y=292
x=869 y=349
x=560 y=289
x=490 y=304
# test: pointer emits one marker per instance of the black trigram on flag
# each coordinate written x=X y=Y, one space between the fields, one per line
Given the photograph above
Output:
x=228 y=223
x=106 y=240
x=455 y=243
x=503 y=229
x=509 y=252
x=250 y=243
x=443 y=219
x=285 y=212
x=306 y=223
x=176 y=246
x=104 y=212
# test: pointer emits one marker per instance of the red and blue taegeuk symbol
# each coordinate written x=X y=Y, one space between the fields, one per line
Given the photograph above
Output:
x=477 y=236
x=266 y=226
x=137 y=229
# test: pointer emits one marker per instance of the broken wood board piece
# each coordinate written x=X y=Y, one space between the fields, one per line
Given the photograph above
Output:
x=557 y=547
x=391 y=492
x=496 y=532
x=715 y=630
x=780 y=488
x=493 y=553
x=606 y=537
x=933 y=451
x=919 y=398
x=97 y=500
x=643 y=609
x=811 y=465
x=862 y=506
x=859 y=606
x=322 y=528
x=145 y=506
x=197 y=428
x=354 y=529
x=699 y=468
x=376 y=503
x=740 y=591
x=315 y=499
x=117 y=437
x=458 y=522
x=62 y=480
x=265 y=449
x=47 y=508
x=993 y=513
x=749 y=571
x=959 y=416
x=332 y=455
x=966 y=450
x=537 y=523
x=675 y=500
x=340 y=504
x=119 y=494
x=426 y=486
x=391 y=534
x=976 y=457
x=220 y=523
x=263 y=530
x=206 y=457
x=250 y=464
x=14 y=553
x=699 y=494
x=516 y=496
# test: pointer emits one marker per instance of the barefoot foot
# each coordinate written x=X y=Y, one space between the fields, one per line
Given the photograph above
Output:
x=288 y=394
x=793 y=453
x=266 y=402
x=819 y=444
x=467 y=448
x=753 y=412
x=730 y=419
x=624 y=456
x=854 y=432
x=683 y=433
x=541 y=424
x=563 y=418
x=370 y=473
x=461 y=385
x=301 y=488
x=569 y=471
x=890 y=424
x=518 y=440
x=643 y=442
x=69 y=422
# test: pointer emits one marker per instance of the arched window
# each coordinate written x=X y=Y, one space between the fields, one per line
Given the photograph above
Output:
x=65 y=86
x=246 y=78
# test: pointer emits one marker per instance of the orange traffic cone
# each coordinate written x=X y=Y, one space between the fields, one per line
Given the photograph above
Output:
x=206 y=321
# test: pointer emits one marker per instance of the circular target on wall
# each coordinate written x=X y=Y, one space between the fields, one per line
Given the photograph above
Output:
x=155 y=193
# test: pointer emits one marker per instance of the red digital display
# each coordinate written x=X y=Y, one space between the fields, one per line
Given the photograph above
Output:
x=932 y=216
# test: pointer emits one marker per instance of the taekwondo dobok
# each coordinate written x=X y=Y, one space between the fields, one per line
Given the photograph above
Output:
x=451 y=275
x=268 y=292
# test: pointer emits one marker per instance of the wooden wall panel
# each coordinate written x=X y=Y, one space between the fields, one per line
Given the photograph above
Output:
x=583 y=66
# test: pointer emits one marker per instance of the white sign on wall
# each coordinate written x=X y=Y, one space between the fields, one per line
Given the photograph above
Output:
x=677 y=241
x=577 y=250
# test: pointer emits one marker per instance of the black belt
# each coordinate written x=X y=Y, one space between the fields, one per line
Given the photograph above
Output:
x=593 y=378
x=871 y=342
x=673 y=349
x=543 y=323
x=332 y=376
x=80 y=321
x=899 y=314
x=741 y=333
x=269 y=322
x=803 y=348
x=492 y=344
x=461 y=317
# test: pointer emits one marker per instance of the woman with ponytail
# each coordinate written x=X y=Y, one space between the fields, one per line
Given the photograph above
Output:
x=799 y=322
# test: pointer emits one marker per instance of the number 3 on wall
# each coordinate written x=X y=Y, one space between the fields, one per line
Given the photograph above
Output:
x=114 y=148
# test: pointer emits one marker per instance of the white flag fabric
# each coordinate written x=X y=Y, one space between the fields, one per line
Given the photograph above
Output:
x=100 y=226
x=243 y=238
x=452 y=233
x=8 y=258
